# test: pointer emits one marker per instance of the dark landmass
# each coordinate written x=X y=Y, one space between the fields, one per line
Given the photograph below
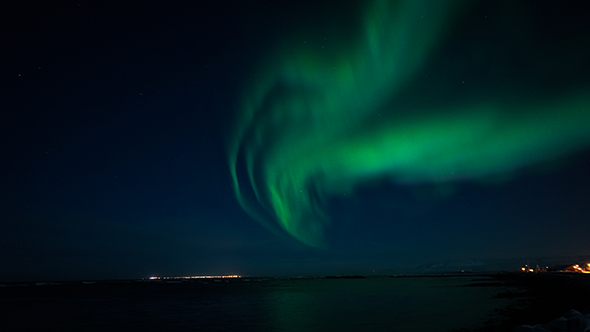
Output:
x=538 y=298
x=346 y=277
x=445 y=275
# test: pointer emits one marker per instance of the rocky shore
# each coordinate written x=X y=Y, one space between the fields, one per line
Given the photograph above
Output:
x=572 y=321
x=543 y=302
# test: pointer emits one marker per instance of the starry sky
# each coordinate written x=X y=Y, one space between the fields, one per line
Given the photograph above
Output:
x=302 y=138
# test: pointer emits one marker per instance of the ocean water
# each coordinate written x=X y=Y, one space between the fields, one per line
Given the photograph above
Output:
x=273 y=304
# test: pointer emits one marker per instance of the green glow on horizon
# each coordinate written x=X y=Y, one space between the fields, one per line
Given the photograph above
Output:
x=318 y=122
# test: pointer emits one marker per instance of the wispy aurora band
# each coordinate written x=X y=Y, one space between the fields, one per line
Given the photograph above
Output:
x=317 y=123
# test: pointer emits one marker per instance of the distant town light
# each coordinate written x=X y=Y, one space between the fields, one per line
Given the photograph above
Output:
x=196 y=277
x=576 y=268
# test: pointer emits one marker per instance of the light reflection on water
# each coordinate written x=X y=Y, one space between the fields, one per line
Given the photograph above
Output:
x=308 y=304
x=401 y=304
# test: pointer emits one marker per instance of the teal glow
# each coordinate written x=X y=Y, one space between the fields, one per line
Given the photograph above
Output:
x=320 y=122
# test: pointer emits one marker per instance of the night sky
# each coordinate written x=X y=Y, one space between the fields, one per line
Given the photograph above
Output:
x=302 y=138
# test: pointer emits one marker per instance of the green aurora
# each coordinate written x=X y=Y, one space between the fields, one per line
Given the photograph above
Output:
x=321 y=121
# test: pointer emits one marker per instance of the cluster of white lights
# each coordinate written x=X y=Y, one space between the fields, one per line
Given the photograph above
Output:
x=196 y=277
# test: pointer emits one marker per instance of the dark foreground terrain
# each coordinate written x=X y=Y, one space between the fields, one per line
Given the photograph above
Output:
x=540 y=298
x=290 y=304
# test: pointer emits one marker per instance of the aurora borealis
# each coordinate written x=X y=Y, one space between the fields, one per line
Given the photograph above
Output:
x=318 y=123
x=291 y=138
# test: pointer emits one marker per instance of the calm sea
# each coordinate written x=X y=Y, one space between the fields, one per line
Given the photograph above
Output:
x=297 y=304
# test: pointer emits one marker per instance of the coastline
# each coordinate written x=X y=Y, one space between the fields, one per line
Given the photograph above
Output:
x=527 y=299
x=538 y=299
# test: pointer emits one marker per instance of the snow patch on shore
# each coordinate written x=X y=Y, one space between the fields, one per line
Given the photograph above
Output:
x=572 y=321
